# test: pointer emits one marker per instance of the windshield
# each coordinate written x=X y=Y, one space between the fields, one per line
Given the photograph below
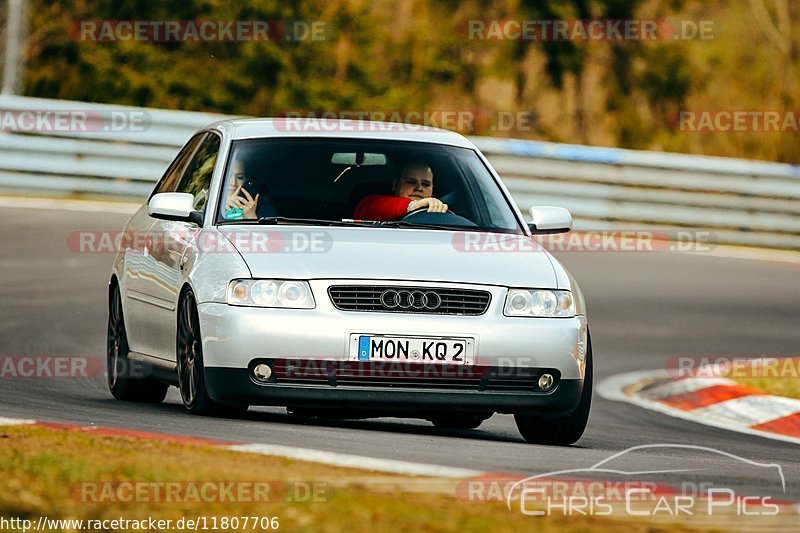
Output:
x=362 y=182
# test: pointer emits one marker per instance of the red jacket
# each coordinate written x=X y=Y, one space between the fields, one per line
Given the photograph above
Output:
x=381 y=207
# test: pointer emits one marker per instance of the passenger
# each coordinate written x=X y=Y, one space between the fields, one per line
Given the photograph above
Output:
x=412 y=190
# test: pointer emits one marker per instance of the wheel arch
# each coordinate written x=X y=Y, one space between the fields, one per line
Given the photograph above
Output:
x=113 y=283
x=185 y=289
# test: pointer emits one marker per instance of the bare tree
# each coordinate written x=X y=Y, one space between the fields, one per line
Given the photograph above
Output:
x=776 y=25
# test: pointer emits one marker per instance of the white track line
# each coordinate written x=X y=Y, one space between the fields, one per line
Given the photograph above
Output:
x=356 y=461
x=614 y=389
x=15 y=421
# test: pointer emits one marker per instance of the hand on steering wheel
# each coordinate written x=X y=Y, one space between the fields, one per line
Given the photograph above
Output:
x=434 y=205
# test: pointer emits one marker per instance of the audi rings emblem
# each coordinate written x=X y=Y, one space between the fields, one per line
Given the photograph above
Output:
x=411 y=299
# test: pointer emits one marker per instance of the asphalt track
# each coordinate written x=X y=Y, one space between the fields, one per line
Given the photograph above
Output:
x=644 y=308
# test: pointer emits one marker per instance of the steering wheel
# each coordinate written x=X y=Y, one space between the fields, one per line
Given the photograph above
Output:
x=422 y=216
x=423 y=209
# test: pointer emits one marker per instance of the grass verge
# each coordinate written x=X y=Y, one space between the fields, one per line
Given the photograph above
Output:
x=779 y=376
x=77 y=475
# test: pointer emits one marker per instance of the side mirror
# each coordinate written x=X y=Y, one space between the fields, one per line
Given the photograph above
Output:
x=177 y=206
x=545 y=219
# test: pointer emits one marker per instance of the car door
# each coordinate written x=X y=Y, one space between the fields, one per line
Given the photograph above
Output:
x=169 y=242
x=138 y=264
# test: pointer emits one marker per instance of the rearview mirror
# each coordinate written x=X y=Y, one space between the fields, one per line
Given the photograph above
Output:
x=360 y=159
x=546 y=219
x=177 y=206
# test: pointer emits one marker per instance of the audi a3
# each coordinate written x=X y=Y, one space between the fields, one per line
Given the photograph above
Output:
x=347 y=269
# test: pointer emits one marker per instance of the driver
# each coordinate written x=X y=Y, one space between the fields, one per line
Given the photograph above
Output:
x=412 y=190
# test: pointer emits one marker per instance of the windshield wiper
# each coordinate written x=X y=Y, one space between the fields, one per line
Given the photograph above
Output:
x=307 y=221
x=406 y=224
x=479 y=229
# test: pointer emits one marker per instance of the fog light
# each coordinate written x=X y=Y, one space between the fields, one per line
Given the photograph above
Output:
x=262 y=372
x=546 y=381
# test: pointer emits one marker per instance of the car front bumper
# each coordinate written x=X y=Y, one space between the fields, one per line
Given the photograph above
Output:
x=234 y=337
x=235 y=386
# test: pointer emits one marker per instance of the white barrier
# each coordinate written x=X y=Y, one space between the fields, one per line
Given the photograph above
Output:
x=740 y=201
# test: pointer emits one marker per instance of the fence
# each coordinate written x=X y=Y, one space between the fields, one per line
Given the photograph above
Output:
x=740 y=201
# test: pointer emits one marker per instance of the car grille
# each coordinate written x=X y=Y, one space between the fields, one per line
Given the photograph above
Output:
x=394 y=299
x=407 y=375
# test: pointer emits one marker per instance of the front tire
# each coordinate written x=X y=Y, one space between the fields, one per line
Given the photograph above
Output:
x=562 y=430
x=125 y=376
x=191 y=370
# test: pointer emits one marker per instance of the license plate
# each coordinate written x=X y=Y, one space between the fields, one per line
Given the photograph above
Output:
x=430 y=350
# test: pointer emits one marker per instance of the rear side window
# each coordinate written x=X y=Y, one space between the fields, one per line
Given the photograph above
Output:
x=196 y=179
x=169 y=182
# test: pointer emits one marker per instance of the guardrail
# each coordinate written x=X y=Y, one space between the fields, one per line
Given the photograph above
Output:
x=740 y=201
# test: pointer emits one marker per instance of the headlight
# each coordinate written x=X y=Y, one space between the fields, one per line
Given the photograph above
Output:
x=270 y=293
x=539 y=303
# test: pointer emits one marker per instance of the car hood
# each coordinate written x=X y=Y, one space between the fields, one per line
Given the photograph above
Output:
x=392 y=254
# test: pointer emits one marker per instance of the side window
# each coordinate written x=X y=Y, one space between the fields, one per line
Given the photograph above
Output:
x=196 y=179
x=169 y=181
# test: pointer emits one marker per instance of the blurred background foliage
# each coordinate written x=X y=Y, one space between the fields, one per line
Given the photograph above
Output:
x=387 y=55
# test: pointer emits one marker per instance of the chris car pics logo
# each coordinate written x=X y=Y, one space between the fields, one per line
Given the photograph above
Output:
x=682 y=486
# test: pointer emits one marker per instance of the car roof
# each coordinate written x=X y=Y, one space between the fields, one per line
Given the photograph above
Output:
x=252 y=128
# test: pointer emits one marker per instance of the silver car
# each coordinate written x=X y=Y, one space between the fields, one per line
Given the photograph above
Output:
x=352 y=269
